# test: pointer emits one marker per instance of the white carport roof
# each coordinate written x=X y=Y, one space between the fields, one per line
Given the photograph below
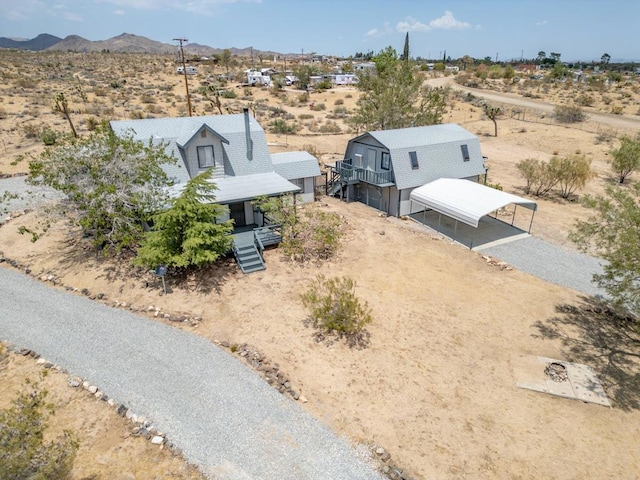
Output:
x=465 y=200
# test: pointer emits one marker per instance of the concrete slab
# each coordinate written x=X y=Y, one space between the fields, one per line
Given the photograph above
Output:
x=491 y=231
x=581 y=382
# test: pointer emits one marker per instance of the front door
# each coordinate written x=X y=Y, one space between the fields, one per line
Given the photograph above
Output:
x=236 y=213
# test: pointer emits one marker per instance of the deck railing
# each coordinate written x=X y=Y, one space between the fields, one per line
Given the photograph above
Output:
x=350 y=173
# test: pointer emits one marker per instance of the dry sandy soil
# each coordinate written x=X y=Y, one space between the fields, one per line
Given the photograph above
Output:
x=436 y=386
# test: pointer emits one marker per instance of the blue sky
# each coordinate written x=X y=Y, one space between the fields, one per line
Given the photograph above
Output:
x=506 y=29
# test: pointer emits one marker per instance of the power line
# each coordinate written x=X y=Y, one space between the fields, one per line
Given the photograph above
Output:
x=184 y=71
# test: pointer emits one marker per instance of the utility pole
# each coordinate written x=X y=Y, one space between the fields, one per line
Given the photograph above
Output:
x=184 y=71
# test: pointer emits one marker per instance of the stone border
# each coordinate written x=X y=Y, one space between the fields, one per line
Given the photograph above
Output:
x=251 y=356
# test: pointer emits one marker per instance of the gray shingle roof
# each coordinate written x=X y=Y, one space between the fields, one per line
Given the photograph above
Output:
x=230 y=127
x=292 y=165
x=437 y=149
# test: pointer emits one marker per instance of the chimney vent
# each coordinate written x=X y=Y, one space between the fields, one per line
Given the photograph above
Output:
x=247 y=133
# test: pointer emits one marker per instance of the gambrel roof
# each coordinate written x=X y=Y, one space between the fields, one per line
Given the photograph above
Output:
x=437 y=153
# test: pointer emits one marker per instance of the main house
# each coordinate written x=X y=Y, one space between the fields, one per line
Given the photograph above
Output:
x=382 y=168
x=235 y=147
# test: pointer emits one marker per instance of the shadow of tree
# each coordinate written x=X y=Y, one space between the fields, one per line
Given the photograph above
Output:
x=609 y=341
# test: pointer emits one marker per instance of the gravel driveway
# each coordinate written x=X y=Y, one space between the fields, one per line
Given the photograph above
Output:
x=223 y=415
x=551 y=263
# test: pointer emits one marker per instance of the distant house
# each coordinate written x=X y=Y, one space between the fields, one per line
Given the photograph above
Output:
x=382 y=168
x=235 y=147
x=258 y=78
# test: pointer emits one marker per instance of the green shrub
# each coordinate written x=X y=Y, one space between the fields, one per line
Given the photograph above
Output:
x=305 y=116
x=317 y=107
x=23 y=452
x=330 y=127
x=49 y=137
x=228 y=94
x=339 y=101
x=334 y=308
x=281 y=127
x=569 y=114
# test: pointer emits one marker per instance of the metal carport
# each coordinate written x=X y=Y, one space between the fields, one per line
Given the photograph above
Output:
x=466 y=201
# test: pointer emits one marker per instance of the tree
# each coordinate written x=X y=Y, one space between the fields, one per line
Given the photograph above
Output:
x=24 y=455
x=626 y=158
x=226 y=59
x=188 y=232
x=541 y=56
x=605 y=58
x=61 y=104
x=574 y=171
x=540 y=176
x=555 y=57
x=393 y=96
x=112 y=184
x=614 y=231
x=493 y=113
x=405 y=52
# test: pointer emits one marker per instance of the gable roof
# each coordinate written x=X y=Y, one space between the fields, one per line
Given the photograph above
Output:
x=292 y=165
x=437 y=151
x=230 y=129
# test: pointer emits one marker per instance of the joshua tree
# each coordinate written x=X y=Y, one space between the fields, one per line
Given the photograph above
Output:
x=605 y=58
x=61 y=104
x=493 y=113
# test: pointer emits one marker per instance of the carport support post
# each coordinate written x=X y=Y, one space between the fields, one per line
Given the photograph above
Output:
x=531 y=222
x=513 y=217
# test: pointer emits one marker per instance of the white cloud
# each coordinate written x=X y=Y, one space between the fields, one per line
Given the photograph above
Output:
x=119 y=12
x=445 y=22
x=543 y=22
x=379 y=32
x=21 y=10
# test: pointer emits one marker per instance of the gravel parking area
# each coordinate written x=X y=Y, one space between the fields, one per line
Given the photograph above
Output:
x=551 y=263
x=28 y=196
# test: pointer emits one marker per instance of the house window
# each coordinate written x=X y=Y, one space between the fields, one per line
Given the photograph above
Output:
x=203 y=133
x=465 y=153
x=205 y=157
x=413 y=156
x=385 y=163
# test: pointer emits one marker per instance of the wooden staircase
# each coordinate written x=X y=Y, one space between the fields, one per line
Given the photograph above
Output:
x=249 y=258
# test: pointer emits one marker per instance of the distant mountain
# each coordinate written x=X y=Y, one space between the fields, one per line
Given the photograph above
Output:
x=125 y=43
x=41 y=42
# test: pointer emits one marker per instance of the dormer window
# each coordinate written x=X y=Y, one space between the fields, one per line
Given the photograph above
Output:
x=205 y=157
x=413 y=156
x=465 y=153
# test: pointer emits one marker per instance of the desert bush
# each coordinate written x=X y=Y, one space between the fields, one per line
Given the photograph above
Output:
x=569 y=114
x=228 y=93
x=305 y=116
x=148 y=98
x=318 y=107
x=303 y=98
x=348 y=95
x=281 y=127
x=24 y=454
x=585 y=100
x=617 y=109
x=330 y=127
x=92 y=123
x=626 y=158
x=31 y=130
x=339 y=101
x=311 y=150
x=334 y=307
x=49 y=136
x=540 y=176
x=573 y=171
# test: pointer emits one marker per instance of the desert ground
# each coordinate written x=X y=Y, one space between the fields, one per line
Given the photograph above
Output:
x=436 y=387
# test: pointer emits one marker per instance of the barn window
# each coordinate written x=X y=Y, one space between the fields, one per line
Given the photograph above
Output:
x=465 y=153
x=205 y=157
x=385 y=163
x=413 y=156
